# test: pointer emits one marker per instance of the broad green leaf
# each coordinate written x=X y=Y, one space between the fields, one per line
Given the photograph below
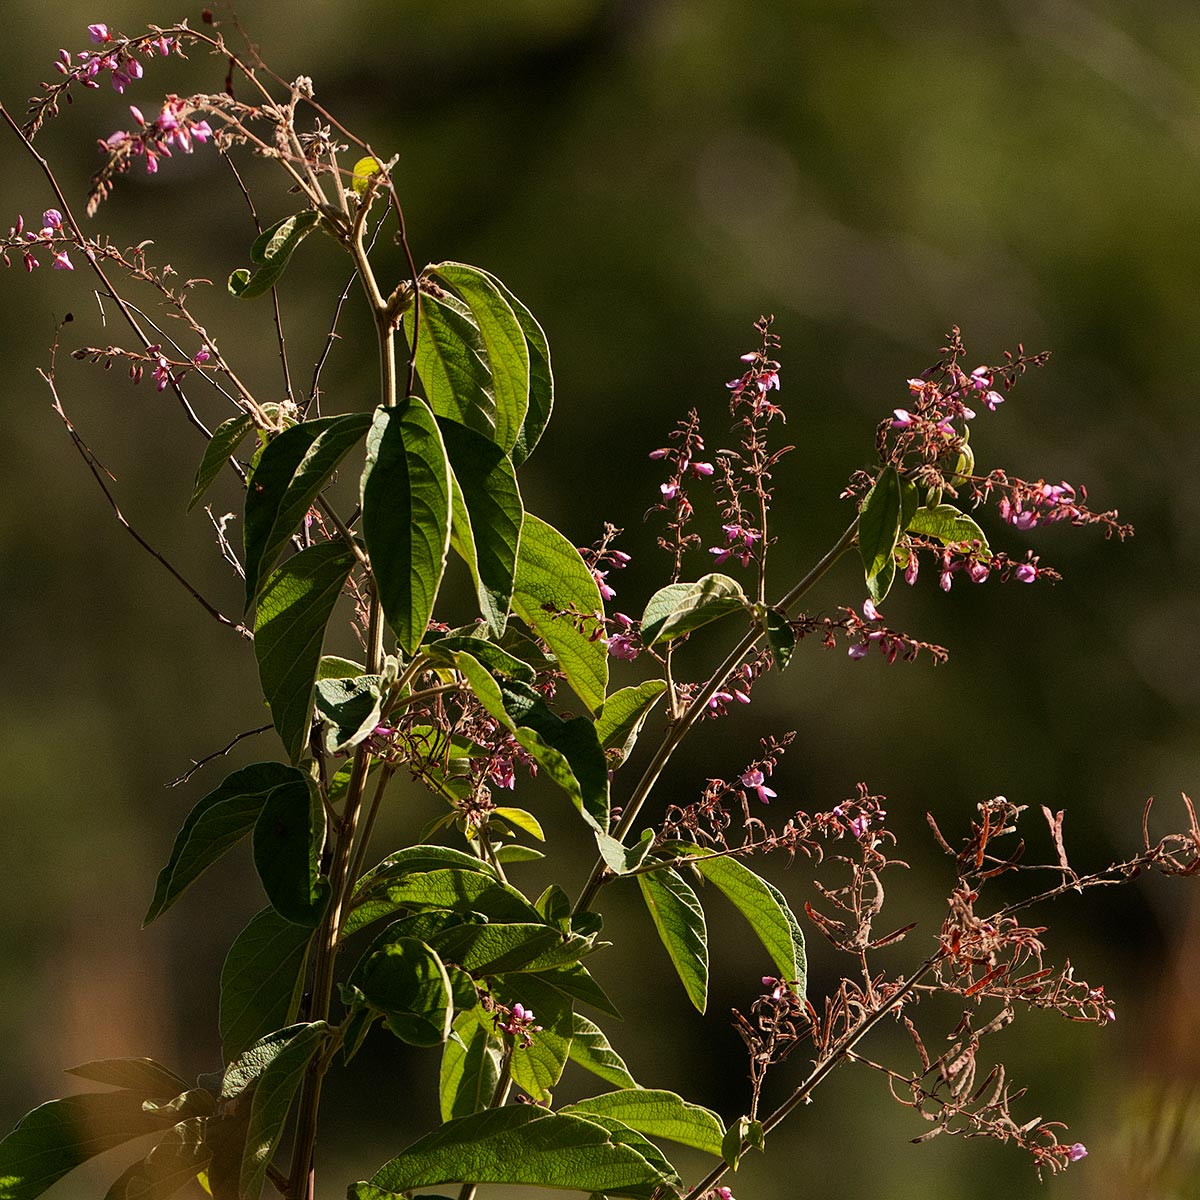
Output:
x=289 y=630
x=503 y=342
x=273 y=1096
x=518 y=817
x=621 y=716
x=487 y=535
x=879 y=531
x=288 y=838
x=780 y=637
x=225 y=440
x=680 y=608
x=174 y=1162
x=517 y=854
x=149 y=1079
x=452 y=363
x=541 y=378
x=552 y=583
x=679 y=920
x=262 y=980
x=519 y=1144
x=470 y=1068
x=622 y=859
x=590 y=1049
x=406 y=515
x=407 y=981
x=555 y=906
x=60 y=1135
x=270 y=253
x=350 y=708
x=765 y=909
x=294 y=467
x=422 y=858
x=335 y=667
x=489 y=949
x=246 y=1069
x=219 y=821
x=626 y=1135
x=949 y=525
x=537 y=1068
x=496 y=660
x=576 y=981
x=659 y=1115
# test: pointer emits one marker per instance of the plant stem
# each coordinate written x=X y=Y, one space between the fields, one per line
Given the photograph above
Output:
x=679 y=730
x=823 y=1068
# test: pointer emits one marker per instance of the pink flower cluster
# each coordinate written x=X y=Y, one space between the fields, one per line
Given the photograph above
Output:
x=624 y=643
x=117 y=59
x=761 y=377
x=948 y=404
x=174 y=126
x=519 y=1024
x=50 y=237
x=739 y=544
x=1042 y=504
x=754 y=781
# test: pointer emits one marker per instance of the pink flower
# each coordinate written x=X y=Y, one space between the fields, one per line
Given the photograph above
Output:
x=1025 y=573
x=52 y=218
x=701 y=469
x=99 y=34
x=621 y=645
x=859 y=650
x=910 y=571
x=605 y=590
x=904 y=419
x=669 y=490
x=62 y=262
x=1076 y=1152
x=870 y=611
x=753 y=781
x=977 y=572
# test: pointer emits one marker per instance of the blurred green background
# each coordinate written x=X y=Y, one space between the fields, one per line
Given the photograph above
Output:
x=648 y=177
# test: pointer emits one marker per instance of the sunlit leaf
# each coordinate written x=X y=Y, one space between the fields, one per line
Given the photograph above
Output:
x=680 y=608
x=879 y=531
x=406 y=515
x=225 y=440
x=272 y=250
x=679 y=920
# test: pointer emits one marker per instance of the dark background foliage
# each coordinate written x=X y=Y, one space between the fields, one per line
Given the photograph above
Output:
x=648 y=177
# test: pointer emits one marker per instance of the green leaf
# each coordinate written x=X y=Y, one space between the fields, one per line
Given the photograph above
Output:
x=949 y=525
x=679 y=920
x=407 y=981
x=622 y=859
x=659 y=1115
x=149 y=1079
x=219 y=821
x=289 y=630
x=270 y=253
x=498 y=661
x=541 y=377
x=504 y=344
x=294 y=467
x=273 y=1096
x=174 y=1162
x=406 y=515
x=517 y=854
x=518 y=817
x=351 y=709
x=451 y=361
x=486 y=535
x=765 y=909
x=262 y=980
x=576 y=981
x=590 y=1049
x=620 y=718
x=742 y=1132
x=627 y=1136
x=60 y=1135
x=489 y=949
x=288 y=838
x=225 y=440
x=519 y=1144
x=537 y=1068
x=879 y=531
x=680 y=608
x=334 y=667
x=553 y=579
x=780 y=637
x=470 y=1068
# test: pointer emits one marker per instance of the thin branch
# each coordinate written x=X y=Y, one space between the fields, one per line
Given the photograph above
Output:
x=201 y=762
x=98 y=473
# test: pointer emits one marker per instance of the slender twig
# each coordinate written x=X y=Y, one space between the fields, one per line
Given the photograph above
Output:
x=98 y=473
x=202 y=762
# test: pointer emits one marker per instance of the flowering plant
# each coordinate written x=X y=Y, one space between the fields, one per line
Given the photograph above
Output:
x=457 y=960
